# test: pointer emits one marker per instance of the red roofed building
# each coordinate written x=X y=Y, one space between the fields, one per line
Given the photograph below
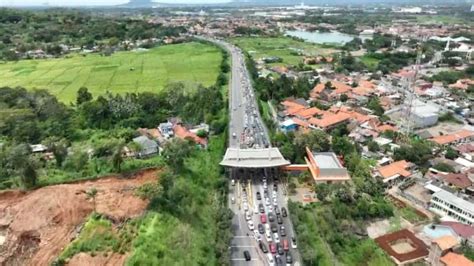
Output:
x=329 y=120
x=183 y=133
x=453 y=259
x=395 y=171
x=462 y=84
x=454 y=138
x=403 y=247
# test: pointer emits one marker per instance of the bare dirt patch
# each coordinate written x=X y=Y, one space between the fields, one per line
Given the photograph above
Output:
x=38 y=224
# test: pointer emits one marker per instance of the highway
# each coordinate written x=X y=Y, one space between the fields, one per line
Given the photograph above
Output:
x=246 y=130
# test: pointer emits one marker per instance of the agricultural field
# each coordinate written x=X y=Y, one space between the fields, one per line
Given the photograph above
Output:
x=290 y=50
x=131 y=71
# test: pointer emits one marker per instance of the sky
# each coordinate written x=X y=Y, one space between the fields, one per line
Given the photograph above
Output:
x=94 y=2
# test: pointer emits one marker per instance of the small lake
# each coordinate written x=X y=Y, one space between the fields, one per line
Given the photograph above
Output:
x=333 y=37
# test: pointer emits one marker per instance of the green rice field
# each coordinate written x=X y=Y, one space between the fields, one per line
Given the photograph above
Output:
x=131 y=71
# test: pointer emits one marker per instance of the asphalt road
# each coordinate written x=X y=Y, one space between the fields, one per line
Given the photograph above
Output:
x=248 y=131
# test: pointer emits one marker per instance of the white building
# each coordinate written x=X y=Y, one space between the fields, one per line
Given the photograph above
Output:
x=447 y=204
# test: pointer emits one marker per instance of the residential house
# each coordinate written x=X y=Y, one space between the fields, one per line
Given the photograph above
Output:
x=394 y=172
x=461 y=136
x=183 y=133
x=166 y=129
x=454 y=259
x=440 y=247
x=147 y=146
x=464 y=231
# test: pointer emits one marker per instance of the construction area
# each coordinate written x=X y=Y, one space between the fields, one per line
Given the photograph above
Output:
x=36 y=226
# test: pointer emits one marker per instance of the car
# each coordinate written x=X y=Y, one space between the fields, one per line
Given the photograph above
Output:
x=275 y=202
x=282 y=230
x=277 y=211
x=261 y=208
x=279 y=219
x=257 y=235
x=280 y=249
x=289 y=259
x=246 y=206
x=274 y=228
x=270 y=260
x=274 y=194
x=259 y=197
x=248 y=216
x=265 y=193
x=234 y=135
x=232 y=199
x=263 y=218
x=250 y=225
x=261 y=229
x=286 y=247
x=293 y=243
x=278 y=260
x=271 y=217
x=267 y=202
x=283 y=212
x=232 y=182
x=268 y=236
x=273 y=248
x=276 y=238
x=247 y=255
x=275 y=187
x=262 y=247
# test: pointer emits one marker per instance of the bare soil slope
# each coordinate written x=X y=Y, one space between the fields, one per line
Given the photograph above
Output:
x=37 y=225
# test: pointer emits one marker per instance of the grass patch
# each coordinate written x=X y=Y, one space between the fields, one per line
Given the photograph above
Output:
x=370 y=62
x=187 y=236
x=409 y=214
x=288 y=49
x=191 y=63
x=98 y=235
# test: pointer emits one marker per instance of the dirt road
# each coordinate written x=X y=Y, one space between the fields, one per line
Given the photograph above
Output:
x=35 y=226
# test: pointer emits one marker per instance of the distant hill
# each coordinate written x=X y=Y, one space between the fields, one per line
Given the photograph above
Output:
x=140 y=4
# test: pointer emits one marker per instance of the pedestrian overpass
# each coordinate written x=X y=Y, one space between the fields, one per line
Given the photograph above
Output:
x=253 y=158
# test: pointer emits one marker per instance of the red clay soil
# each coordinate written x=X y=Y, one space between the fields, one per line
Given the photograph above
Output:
x=385 y=242
x=82 y=259
x=39 y=224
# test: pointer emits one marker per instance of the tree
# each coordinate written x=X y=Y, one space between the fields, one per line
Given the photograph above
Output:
x=315 y=140
x=59 y=149
x=343 y=98
x=373 y=146
x=451 y=153
x=91 y=194
x=175 y=152
x=117 y=157
x=202 y=133
x=83 y=95
x=443 y=167
x=343 y=146
x=22 y=164
x=374 y=105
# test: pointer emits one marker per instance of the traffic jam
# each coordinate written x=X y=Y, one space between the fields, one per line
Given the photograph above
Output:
x=266 y=221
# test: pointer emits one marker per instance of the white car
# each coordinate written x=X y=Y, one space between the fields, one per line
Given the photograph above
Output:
x=268 y=236
x=276 y=238
x=267 y=201
x=275 y=202
x=256 y=235
x=293 y=243
x=232 y=182
x=248 y=217
x=270 y=259
x=251 y=226
x=246 y=206
x=274 y=194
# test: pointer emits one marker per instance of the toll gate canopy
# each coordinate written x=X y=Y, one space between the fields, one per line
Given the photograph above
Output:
x=253 y=158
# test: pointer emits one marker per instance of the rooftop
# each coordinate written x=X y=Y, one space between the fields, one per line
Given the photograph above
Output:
x=387 y=243
x=446 y=242
x=450 y=198
x=453 y=259
x=449 y=138
x=463 y=230
x=253 y=158
x=398 y=168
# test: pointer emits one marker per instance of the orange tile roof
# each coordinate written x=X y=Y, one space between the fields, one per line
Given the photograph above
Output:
x=462 y=84
x=183 y=133
x=317 y=90
x=329 y=120
x=300 y=122
x=309 y=112
x=340 y=87
x=384 y=128
x=398 y=167
x=453 y=259
x=446 y=242
x=449 y=138
x=294 y=110
x=366 y=84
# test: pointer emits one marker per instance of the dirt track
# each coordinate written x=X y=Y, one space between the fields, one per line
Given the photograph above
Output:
x=37 y=225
